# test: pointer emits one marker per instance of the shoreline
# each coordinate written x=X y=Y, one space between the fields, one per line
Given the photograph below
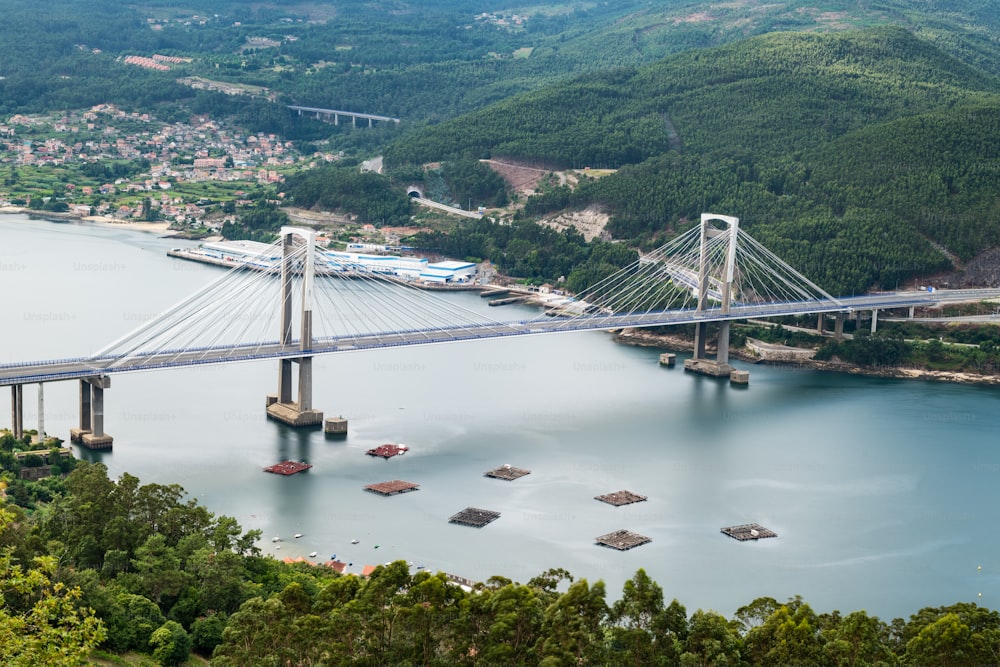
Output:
x=161 y=228
x=677 y=343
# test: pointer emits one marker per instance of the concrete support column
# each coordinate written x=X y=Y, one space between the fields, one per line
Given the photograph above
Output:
x=722 y=349
x=85 y=406
x=285 y=381
x=874 y=320
x=700 y=333
x=821 y=323
x=97 y=410
x=17 y=410
x=305 y=384
x=838 y=326
x=41 y=412
x=912 y=309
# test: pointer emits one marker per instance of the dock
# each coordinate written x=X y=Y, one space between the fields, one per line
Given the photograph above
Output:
x=619 y=498
x=475 y=517
x=491 y=293
x=507 y=473
x=622 y=540
x=392 y=488
x=288 y=467
x=508 y=300
x=748 y=531
x=387 y=451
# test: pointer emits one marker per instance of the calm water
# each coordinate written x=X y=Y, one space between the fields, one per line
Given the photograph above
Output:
x=884 y=493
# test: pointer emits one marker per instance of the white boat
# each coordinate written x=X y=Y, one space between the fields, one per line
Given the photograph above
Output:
x=312 y=555
x=354 y=541
x=274 y=539
x=298 y=535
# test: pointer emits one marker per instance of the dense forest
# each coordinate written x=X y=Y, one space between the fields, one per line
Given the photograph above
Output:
x=862 y=158
x=119 y=566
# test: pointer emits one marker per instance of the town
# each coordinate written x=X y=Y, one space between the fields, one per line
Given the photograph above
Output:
x=130 y=166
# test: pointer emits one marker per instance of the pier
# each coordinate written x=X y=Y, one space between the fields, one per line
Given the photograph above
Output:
x=508 y=300
x=619 y=498
x=392 y=488
x=622 y=540
x=748 y=531
x=507 y=472
x=475 y=517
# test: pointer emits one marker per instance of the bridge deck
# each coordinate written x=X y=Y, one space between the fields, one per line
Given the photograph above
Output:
x=81 y=367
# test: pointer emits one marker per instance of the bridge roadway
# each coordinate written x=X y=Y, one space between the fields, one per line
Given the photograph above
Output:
x=69 y=369
x=338 y=112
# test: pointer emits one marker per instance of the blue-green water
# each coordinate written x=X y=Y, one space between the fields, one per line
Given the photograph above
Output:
x=883 y=493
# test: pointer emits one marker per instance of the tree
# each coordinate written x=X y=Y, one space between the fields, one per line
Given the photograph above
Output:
x=711 y=640
x=572 y=631
x=641 y=627
x=50 y=627
x=790 y=636
x=170 y=643
x=858 y=639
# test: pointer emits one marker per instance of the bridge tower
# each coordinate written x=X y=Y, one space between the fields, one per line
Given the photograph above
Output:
x=699 y=362
x=282 y=406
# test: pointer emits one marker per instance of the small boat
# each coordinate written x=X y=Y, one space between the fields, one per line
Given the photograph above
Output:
x=354 y=541
x=312 y=555
x=298 y=535
x=274 y=539
x=420 y=567
x=278 y=547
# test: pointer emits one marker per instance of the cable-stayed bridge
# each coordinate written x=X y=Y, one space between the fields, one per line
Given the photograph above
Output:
x=295 y=302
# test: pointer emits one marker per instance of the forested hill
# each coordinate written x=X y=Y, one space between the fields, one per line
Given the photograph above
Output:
x=763 y=96
x=851 y=154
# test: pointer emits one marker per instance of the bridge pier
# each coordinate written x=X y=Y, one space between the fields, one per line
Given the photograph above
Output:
x=874 y=320
x=91 y=433
x=838 y=326
x=282 y=406
x=17 y=410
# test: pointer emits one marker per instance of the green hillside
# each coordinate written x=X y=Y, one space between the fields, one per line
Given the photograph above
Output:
x=763 y=96
x=852 y=153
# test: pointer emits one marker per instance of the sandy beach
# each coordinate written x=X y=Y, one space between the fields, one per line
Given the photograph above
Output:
x=161 y=228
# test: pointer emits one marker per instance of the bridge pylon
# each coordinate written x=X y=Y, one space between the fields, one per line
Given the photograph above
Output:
x=283 y=406
x=700 y=362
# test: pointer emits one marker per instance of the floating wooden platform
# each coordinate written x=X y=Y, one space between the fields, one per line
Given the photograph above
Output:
x=288 y=467
x=749 y=531
x=618 y=498
x=392 y=488
x=473 y=516
x=507 y=472
x=387 y=451
x=622 y=540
